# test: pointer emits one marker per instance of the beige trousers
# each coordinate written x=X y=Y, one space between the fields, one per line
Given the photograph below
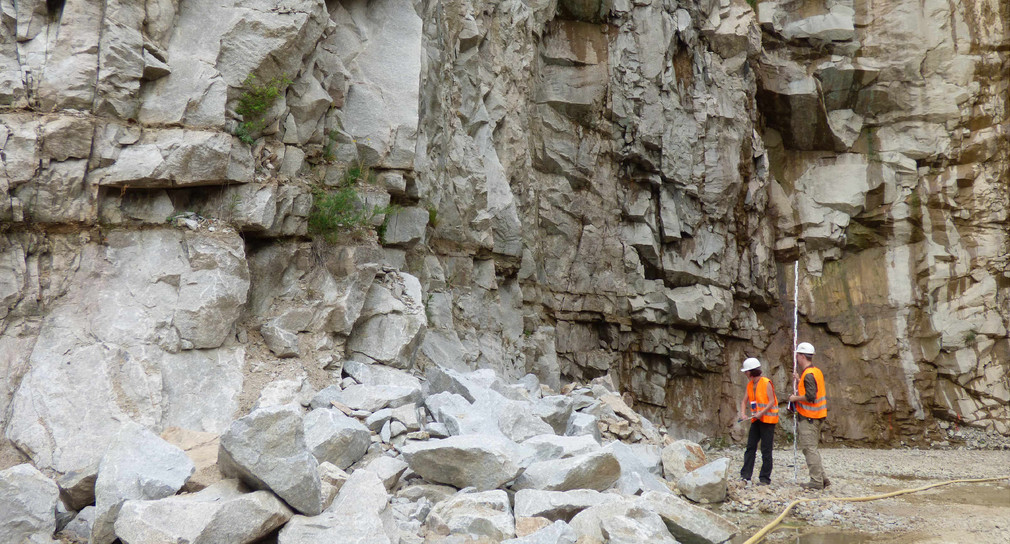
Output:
x=809 y=434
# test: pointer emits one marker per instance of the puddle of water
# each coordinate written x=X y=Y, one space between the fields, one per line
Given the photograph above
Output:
x=803 y=535
x=991 y=494
x=831 y=538
x=904 y=477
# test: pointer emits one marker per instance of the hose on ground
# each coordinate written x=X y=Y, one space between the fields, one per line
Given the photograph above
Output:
x=759 y=536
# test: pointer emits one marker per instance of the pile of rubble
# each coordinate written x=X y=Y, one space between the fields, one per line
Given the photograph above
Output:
x=388 y=457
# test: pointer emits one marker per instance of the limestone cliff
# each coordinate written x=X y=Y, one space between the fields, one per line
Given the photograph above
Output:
x=580 y=188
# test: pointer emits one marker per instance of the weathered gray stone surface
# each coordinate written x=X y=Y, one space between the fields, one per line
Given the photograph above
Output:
x=708 y=484
x=681 y=457
x=335 y=438
x=91 y=369
x=485 y=462
x=598 y=470
x=356 y=515
x=555 y=505
x=79 y=528
x=222 y=513
x=137 y=465
x=549 y=446
x=482 y=514
x=27 y=505
x=604 y=188
x=689 y=524
x=635 y=477
x=392 y=322
x=266 y=450
x=556 y=533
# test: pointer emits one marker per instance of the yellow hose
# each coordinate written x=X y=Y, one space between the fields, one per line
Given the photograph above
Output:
x=759 y=536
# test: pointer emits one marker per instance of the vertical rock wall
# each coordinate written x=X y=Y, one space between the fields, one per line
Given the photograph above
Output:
x=579 y=188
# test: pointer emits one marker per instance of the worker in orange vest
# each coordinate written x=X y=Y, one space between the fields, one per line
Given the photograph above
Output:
x=811 y=402
x=764 y=414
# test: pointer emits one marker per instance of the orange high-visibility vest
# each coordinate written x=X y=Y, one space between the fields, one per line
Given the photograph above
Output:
x=819 y=408
x=762 y=400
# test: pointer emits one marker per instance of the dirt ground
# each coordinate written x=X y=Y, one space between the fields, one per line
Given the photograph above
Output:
x=959 y=513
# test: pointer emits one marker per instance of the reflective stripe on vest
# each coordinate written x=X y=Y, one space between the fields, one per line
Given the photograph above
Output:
x=762 y=400
x=819 y=408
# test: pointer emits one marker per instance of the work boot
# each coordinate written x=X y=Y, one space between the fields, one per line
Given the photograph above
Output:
x=811 y=485
x=827 y=482
x=765 y=482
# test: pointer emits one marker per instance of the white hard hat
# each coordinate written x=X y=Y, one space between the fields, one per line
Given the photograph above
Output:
x=805 y=348
x=750 y=363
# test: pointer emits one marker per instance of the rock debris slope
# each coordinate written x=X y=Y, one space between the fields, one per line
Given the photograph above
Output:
x=564 y=189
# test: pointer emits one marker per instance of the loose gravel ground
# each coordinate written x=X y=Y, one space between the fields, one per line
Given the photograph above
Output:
x=960 y=513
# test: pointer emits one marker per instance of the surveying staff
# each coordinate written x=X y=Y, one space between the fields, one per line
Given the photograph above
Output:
x=764 y=414
x=811 y=407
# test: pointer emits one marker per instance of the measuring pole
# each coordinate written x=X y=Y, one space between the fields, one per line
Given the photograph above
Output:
x=796 y=298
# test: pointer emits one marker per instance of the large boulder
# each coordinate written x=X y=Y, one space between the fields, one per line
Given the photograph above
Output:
x=356 y=515
x=638 y=525
x=636 y=477
x=708 y=484
x=482 y=461
x=370 y=398
x=335 y=438
x=485 y=513
x=548 y=446
x=556 y=533
x=555 y=505
x=681 y=457
x=392 y=322
x=597 y=470
x=138 y=465
x=220 y=514
x=690 y=524
x=266 y=450
x=27 y=505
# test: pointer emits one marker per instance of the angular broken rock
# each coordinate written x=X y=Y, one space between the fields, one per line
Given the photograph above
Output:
x=638 y=525
x=681 y=457
x=370 y=398
x=376 y=374
x=708 y=484
x=484 y=513
x=79 y=528
x=635 y=475
x=335 y=438
x=354 y=516
x=27 y=505
x=516 y=420
x=586 y=523
x=266 y=450
x=548 y=446
x=555 y=505
x=388 y=469
x=688 y=523
x=481 y=461
x=556 y=533
x=138 y=465
x=556 y=410
x=223 y=513
x=583 y=424
x=201 y=448
x=598 y=470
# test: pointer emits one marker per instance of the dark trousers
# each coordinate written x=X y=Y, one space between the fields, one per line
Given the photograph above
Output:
x=764 y=433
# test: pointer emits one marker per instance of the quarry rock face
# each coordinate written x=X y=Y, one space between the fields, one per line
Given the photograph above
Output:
x=550 y=192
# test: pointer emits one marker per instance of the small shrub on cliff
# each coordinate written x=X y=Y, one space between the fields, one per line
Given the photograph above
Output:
x=254 y=101
x=340 y=211
x=336 y=212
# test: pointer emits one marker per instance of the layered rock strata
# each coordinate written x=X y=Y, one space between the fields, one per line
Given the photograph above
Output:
x=577 y=188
